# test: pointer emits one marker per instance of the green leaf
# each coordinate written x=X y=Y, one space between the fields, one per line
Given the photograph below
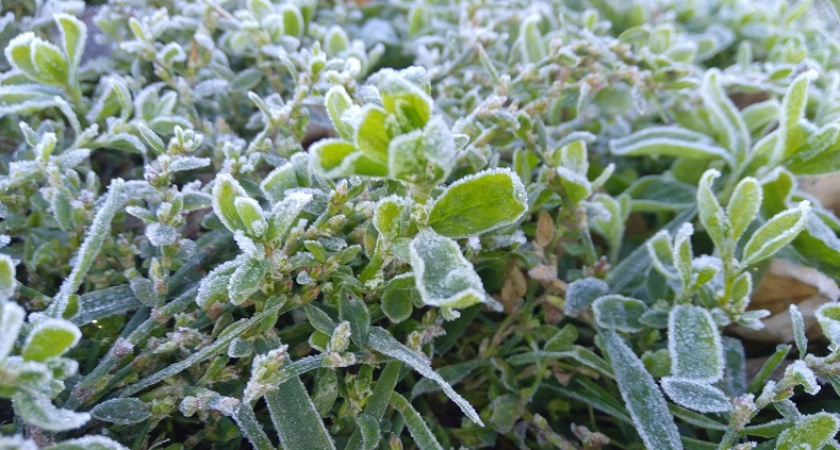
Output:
x=398 y=298
x=743 y=206
x=338 y=105
x=790 y=132
x=828 y=316
x=661 y=254
x=293 y=23
x=11 y=320
x=294 y=174
x=819 y=154
x=7 y=278
x=378 y=401
x=35 y=408
x=121 y=411
x=88 y=443
x=696 y=395
x=581 y=293
x=642 y=397
x=334 y=158
x=50 y=338
x=812 y=431
x=369 y=428
x=442 y=275
x=669 y=141
x=246 y=280
x=694 y=344
x=251 y=214
x=73 y=38
x=409 y=103
x=479 y=203
x=151 y=138
x=372 y=135
x=49 y=62
x=424 y=155
x=725 y=115
x=297 y=423
x=655 y=193
x=775 y=234
x=711 y=213
x=533 y=49
x=423 y=437
x=353 y=310
x=798 y=324
x=225 y=191
x=19 y=54
x=382 y=342
x=620 y=313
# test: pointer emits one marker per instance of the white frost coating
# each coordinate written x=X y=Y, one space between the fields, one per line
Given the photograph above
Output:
x=662 y=253
x=37 y=409
x=382 y=341
x=216 y=281
x=248 y=246
x=50 y=324
x=210 y=87
x=694 y=344
x=441 y=273
x=799 y=372
x=695 y=395
x=682 y=251
x=185 y=163
x=222 y=179
x=89 y=249
x=11 y=320
x=160 y=235
x=17 y=442
x=798 y=326
x=285 y=212
x=760 y=246
x=95 y=442
x=672 y=147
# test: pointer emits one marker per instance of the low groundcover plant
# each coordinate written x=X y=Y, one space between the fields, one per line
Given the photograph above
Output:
x=392 y=224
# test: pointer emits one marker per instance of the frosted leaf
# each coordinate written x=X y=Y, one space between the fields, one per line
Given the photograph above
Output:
x=777 y=232
x=695 y=345
x=828 y=316
x=213 y=287
x=669 y=141
x=696 y=395
x=711 y=213
x=72 y=158
x=88 y=443
x=809 y=432
x=35 y=408
x=744 y=205
x=682 y=251
x=285 y=213
x=185 y=163
x=17 y=442
x=225 y=191
x=581 y=293
x=799 y=373
x=247 y=245
x=122 y=411
x=49 y=338
x=662 y=254
x=442 y=275
x=642 y=397
x=382 y=342
x=798 y=325
x=210 y=87
x=291 y=175
x=619 y=313
x=304 y=279
x=160 y=235
x=11 y=320
x=246 y=280
x=7 y=276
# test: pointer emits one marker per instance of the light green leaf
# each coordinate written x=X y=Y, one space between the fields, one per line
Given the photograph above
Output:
x=247 y=279
x=122 y=411
x=660 y=193
x=819 y=154
x=225 y=191
x=442 y=275
x=790 y=132
x=642 y=397
x=355 y=312
x=293 y=23
x=669 y=141
x=409 y=103
x=88 y=443
x=620 y=313
x=294 y=174
x=369 y=428
x=423 y=437
x=49 y=62
x=50 y=338
x=479 y=203
x=11 y=320
x=662 y=254
x=372 y=135
x=775 y=234
x=73 y=37
x=743 y=206
x=694 y=344
x=422 y=156
x=334 y=158
x=798 y=324
x=812 y=431
x=251 y=214
x=711 y=213
x=7 y=277
x=338 y=105
x=530 y=38
x=19 y=54
x=35 y=408
x=151 y=138
x=828 y=316
x=725 y=115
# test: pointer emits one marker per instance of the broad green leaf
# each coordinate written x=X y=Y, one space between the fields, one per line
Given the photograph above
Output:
x=213 y=288
x=696 y=395
x=11 y=320
x=7 y=278
x=225 y=191
x=285 y=214
x=668 y=141
x=386 y=217
x=620 y=313
x=297 y=423
x=88 y=443
x=369 y=428
x=533 y=48
x=812 y=431
x=398 y=298
x=791 y=135
x=336 y=41
x=293 y=23
x=423 y=437
x=479 y=203
x=743 y=206
x=424 y=155
x=247 y=279
x=760 y=115
x=251 y=214
x=334 y=158
x=372 y=135
x=819 y=154
x=382 y=342
x=151 y=138
x=19 y=54
x=442 y=275
x=49 y=62
x=293 y=174
x=725 y=115
x=122 y=411
x=409 y=103
x=563 y=339
x=73 y=38
x=660 y=193
x=711 y=213
x=50 y=338
x=695 y=345
x=35 y=408
x=642 y=397
x=775 y=234
x=353 y=310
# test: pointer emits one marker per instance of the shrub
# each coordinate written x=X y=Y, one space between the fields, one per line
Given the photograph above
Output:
x=298 y=223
